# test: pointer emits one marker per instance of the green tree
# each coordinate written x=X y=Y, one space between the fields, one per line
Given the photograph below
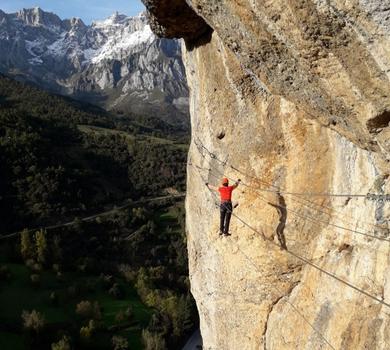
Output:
x=63 y=344
x=41 y=245
x=33 y=321
x=153 y=341
x=26 y=245
x=86 y=309
x=119 y=343
x=86 y=332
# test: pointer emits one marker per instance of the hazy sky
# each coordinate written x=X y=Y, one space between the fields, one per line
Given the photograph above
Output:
x=87 y=10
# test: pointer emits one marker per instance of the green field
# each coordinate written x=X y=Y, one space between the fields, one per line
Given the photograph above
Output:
x=88 y=129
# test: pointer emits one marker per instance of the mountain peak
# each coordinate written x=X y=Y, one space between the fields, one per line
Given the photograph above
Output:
x=115 y=19
x=36 y=16
x=74 y=22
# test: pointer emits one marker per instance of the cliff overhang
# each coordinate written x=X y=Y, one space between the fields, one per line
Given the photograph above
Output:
x=175 y=19
x=296 y=49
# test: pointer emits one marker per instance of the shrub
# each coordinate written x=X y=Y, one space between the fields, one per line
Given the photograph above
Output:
x=128 y=273
x=30 y=263
x=26 y=246
x=153 y=341
x=33 y=321
x=36 y=267
x=124 y=315
x=86 y=332
x=41 y=245
x=106 y=280
x=63 y=344
x=35 y=279
x=129 y=313
x=116 y=291
x=120 y=343
x=120 y=317
x=179 y=311
x=86 y=264
x=59 y=276
x=54 y=298
x=160 y=323
x=86 y=309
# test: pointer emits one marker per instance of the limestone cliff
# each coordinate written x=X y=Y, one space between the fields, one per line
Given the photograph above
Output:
x=290 y=95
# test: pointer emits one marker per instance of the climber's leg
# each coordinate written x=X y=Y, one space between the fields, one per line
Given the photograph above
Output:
x=223 y=215
x=229 y=210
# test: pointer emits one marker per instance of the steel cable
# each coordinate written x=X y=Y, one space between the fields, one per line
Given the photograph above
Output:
x=306 y=261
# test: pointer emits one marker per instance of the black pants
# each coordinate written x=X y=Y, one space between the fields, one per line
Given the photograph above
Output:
x=226 y=213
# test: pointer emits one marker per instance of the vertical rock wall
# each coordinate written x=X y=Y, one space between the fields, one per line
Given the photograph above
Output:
x=243 y=284
x=292 y=94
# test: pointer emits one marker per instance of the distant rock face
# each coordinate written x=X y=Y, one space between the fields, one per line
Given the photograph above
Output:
x=291 y=95
x=117 y=63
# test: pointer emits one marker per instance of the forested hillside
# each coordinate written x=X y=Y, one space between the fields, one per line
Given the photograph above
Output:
x=52 y=166
x=117 y=280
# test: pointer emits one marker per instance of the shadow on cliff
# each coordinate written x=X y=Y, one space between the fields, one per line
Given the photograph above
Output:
x=192 y=44
x=282 y=211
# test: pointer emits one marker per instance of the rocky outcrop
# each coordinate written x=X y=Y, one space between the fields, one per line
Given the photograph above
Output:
x=293 y=98
x=117 y=63
x=175 y=19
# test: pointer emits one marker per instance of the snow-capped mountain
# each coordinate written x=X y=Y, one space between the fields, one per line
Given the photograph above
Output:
x=117 y=63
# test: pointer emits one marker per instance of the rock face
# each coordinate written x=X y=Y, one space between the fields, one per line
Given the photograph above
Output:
x=117 y=63
x=165 y=22
x=291 y=95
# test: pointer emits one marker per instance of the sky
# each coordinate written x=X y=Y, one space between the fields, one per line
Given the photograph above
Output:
x=87 y=10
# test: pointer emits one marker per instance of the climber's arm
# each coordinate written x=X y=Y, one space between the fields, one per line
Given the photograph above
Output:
x=213 y=188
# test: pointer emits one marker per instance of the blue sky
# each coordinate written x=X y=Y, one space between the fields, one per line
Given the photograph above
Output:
x=87 y=10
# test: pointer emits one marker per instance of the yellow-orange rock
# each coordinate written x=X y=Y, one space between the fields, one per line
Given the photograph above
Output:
x=291 y=95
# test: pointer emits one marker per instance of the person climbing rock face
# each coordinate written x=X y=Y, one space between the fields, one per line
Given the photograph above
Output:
x=226 y=206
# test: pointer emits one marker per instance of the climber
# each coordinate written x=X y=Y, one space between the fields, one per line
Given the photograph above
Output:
x=226 y=204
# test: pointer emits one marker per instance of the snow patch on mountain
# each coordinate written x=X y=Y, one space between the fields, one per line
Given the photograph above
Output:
x=59 y=47
x=114 y=48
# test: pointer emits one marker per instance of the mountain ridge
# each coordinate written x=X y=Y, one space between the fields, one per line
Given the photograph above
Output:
x=116 y=63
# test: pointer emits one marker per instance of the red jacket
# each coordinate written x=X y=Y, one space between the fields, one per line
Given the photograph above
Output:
x=226 y=192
